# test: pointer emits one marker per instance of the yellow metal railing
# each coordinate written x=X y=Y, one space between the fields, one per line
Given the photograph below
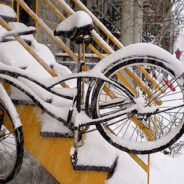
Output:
x=98 y=40
x=36 y=23
x=99 y=24
x=47 y=30
x=28 y=48
x=108 y=51
x=114 y=40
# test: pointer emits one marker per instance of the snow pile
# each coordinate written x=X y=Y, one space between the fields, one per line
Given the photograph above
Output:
x=166 y=169
x=128 y=171
x=163 y=169
x=51 y=125
x=7 y=11
x=18 y=26
x=96 y=153
x=78 y=19
x=12 y=53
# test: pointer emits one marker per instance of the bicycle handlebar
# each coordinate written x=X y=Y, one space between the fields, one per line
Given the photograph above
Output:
x=27 y=31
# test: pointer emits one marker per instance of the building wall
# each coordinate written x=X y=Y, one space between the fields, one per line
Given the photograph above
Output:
x=52 y=20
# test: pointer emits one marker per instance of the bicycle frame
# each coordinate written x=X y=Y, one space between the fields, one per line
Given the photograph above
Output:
x=95 y=73
x=77 y=98
x=73 y=117
x=121 y=108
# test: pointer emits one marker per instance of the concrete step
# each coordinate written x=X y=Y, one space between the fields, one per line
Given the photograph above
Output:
x=95 y=154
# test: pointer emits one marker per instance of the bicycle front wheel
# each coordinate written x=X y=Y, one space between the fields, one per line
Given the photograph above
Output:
x=11 y=146
x=158 y=120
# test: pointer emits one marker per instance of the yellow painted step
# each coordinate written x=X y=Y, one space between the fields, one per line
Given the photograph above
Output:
x=54 y=153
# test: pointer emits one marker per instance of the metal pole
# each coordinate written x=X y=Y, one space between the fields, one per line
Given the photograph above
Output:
x=36 y=22
x=18 y=12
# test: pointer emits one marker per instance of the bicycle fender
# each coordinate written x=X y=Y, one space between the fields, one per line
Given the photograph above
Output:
x=142 y=50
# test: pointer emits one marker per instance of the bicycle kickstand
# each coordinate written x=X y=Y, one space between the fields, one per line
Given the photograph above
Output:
x=73 y=152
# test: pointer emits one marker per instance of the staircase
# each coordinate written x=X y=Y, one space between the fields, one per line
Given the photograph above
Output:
x=54 y=152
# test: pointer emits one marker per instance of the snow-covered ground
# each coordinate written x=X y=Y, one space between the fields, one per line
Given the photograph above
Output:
x=163 y=169
x=166 y=169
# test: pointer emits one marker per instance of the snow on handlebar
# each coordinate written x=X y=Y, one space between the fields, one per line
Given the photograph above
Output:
x=27 y=31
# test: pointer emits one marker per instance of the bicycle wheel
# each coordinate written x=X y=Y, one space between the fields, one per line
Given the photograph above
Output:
x=156 y=122
x=11 y=146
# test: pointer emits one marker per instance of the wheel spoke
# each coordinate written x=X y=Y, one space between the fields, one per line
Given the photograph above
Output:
x=11 y=148
x=140 y=127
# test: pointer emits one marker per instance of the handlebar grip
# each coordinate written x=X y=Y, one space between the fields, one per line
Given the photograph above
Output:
x=27 y=32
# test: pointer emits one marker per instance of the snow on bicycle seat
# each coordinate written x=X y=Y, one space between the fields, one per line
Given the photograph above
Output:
x=79 y=23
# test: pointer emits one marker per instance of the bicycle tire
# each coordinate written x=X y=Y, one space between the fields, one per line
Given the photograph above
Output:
x=11 y=147
x=162 y=131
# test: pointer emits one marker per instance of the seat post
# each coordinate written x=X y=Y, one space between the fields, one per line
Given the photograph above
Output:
x=79 y=80
x=77 y=135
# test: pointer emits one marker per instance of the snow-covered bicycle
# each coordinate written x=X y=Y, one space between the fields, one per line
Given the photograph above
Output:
x=135 y=98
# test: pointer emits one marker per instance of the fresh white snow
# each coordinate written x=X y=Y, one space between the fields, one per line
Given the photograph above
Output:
x=96 y=153
x=143 y=49
x=7 y=11
x=78 y=19
x=163 y=169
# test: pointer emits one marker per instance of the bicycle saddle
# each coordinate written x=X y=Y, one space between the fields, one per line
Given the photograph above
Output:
x=77 y=27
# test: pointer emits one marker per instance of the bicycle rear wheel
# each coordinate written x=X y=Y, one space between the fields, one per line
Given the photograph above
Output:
x=158 y=120
x=11 y=146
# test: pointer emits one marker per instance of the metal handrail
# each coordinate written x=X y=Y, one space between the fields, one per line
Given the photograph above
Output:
x=97 y=38
x=47 y=30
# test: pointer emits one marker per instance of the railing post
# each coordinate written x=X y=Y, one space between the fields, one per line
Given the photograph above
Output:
x=148 y=179
x=36 y=23
x=47 y=30
x=18 y=12
x=12 y=3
